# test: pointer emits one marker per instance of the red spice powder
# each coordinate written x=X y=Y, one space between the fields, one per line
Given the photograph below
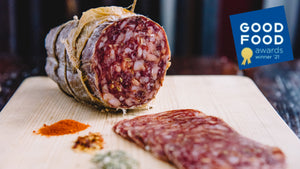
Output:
x=62 y=127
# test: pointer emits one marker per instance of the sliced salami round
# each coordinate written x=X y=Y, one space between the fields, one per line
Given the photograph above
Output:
x=131 y=59
x=192 y=140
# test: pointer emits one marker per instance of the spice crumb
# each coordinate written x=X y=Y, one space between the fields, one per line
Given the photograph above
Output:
x=89 y=143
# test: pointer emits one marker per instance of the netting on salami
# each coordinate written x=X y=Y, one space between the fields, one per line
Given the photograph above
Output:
x=109 y=57
x=192 y=140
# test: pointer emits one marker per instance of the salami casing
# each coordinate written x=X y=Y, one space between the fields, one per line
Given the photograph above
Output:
x=191 y=140
x=109 y=57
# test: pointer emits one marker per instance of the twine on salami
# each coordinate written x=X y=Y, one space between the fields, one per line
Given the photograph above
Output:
x=133 y=5
x=78 y=37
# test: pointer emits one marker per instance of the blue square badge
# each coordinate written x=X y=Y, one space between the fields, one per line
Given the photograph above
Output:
x=261 y=37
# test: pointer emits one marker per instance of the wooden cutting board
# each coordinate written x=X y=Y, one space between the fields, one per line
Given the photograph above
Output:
x=38 y=101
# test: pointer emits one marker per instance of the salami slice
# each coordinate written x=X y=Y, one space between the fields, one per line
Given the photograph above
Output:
x=193 y=140
x=109 y=57
x=122 y=127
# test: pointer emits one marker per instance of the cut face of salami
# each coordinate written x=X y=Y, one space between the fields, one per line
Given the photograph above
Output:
x=131 y=59
x=191 y=140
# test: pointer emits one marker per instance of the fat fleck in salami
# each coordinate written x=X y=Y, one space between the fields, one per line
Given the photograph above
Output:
x=191 y=140
x=109 y=57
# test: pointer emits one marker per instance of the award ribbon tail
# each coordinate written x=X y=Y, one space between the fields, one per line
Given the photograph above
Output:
x=249 y=61
x=244 y=61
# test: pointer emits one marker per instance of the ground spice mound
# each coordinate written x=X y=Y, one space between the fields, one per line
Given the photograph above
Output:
x=62 y=127
x=115 y=159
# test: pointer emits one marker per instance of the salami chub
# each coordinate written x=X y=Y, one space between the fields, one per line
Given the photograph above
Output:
x=109 y=57
x=192 y=140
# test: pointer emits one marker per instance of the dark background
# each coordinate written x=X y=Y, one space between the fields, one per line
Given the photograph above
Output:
x=201 y=29
x=25 y=23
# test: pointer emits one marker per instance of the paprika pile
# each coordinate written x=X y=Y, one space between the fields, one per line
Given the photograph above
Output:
x=62 y=127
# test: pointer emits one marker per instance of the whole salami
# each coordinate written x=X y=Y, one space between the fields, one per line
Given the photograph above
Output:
x=109 y=57
x=192 y=140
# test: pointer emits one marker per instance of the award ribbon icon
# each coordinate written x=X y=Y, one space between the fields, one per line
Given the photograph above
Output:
x=247 y=53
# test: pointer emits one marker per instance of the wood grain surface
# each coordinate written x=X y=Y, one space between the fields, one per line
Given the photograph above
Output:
x=38 y=101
